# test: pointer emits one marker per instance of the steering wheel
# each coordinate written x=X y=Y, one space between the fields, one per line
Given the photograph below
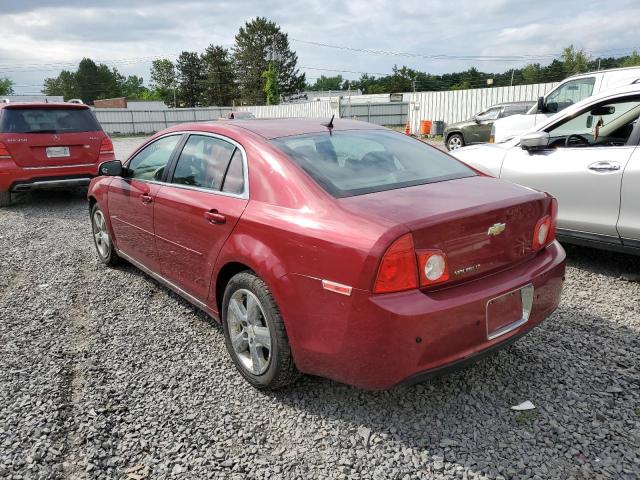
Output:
x=574 y=136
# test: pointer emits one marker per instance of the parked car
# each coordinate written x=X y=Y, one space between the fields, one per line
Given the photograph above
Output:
x=587 y=156
x=477 y=128
x=343 y=249
x=49 y=145
x=570 y=91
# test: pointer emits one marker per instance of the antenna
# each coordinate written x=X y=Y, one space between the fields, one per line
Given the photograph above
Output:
x=329 y=125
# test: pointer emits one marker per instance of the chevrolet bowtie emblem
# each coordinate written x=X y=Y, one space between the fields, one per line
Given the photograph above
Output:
x=496 y=229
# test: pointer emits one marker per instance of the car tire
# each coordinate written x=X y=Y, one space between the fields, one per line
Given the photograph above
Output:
x=247 y=333
x=455 y=142
x=102 y=238
x=5 y=199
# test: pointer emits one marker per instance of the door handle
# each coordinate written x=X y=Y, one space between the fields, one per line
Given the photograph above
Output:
x=146 y=199
x=213 y=216
x=605 y=166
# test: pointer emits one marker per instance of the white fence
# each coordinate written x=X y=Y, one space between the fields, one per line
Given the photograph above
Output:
x=123 y=121
x=449 y=106
x=457 y=105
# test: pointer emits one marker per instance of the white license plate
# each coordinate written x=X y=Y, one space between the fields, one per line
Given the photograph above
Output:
x=58 y=152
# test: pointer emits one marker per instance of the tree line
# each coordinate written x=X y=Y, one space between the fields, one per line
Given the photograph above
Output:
x=261 y=68
x=404 y=79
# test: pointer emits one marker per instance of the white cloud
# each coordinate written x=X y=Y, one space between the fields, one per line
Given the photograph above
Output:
x=55 y=33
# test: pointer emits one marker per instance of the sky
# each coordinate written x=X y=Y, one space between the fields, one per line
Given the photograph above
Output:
x=38 y=38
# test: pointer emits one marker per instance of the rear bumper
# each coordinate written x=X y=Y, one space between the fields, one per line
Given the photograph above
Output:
x=15 y=178
x=378 y=341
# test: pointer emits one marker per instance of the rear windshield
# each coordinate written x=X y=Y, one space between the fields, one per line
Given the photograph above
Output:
x=48 y=120
x=357 y=162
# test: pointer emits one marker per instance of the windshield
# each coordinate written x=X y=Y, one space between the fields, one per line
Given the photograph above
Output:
x=357 y=162
x=48 y=120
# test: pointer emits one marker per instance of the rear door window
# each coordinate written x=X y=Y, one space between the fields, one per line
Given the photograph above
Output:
x=357 y=162
x=203 y=162
x=48 y=120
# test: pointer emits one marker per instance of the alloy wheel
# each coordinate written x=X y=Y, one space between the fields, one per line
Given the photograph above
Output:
x=455 y=143
x=249 y=332
x=101 y=234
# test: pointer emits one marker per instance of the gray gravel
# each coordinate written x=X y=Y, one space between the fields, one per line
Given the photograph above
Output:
x=104 y=370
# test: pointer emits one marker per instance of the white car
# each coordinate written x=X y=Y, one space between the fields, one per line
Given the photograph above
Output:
x=570 y=91
x=587 y=156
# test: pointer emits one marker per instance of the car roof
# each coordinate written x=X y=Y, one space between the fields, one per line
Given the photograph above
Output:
x=284 y=127
x=52 y=105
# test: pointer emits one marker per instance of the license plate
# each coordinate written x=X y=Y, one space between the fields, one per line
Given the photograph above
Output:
x=509 y=311
x=58 y=152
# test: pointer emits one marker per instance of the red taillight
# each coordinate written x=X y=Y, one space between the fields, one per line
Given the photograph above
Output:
x=106 y=146
x=4 y=151
x=433 y=267
x=545 y=231
x=398 y=269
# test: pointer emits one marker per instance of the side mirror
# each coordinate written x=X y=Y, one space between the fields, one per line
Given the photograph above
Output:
x=112 y=168
x=541 y=107
x=534 y=141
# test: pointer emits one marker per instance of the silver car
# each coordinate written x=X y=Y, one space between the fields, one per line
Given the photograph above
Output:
x=587 y=156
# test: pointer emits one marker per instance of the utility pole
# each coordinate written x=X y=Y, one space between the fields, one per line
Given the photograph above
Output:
x=513 y=70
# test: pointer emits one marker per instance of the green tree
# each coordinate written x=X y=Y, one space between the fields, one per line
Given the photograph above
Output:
x=327 y=83
x=218 y=77
x=6 y=86
x=575 y=61
x=633 y=60
x=532 y=73
x=190 y=78
x=257 y=43
x=64 y=84
x=163 y=79
x=270 y=77
x=133 y=87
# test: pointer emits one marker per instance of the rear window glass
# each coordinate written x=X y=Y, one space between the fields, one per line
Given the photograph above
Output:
x=357 y=162
x=48 y=120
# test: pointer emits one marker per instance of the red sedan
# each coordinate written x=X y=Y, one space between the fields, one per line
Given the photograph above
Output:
x=343 y=250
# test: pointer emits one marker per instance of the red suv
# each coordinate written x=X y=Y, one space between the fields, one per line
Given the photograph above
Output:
x=45 y=145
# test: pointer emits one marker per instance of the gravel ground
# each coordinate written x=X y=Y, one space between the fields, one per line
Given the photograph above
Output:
x=106 y=374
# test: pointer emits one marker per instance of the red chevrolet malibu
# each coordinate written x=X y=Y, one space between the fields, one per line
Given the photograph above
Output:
x=336 y=249
x=49 y=145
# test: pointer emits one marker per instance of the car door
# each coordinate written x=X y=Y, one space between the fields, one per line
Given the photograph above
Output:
x=629 y=221
x=131 y=200
x=582 y=167
x=196 y=212
x=479 y=133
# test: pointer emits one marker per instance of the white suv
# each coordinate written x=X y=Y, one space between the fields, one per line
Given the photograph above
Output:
x=570 y=91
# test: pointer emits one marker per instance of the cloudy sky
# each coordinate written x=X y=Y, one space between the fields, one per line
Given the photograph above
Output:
x=40 y=37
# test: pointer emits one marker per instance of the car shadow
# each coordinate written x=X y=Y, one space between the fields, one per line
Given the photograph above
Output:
x=48 y=198
x=466 y=417
x=611 y=264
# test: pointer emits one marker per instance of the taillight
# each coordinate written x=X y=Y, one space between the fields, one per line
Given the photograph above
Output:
x=404 y=268
x=398 y=269
x=545 y=231
x=432 y=267
x=4 y=151
x=106 y=146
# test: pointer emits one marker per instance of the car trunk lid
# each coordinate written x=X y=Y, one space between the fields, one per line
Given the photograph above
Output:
x=481 y=224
